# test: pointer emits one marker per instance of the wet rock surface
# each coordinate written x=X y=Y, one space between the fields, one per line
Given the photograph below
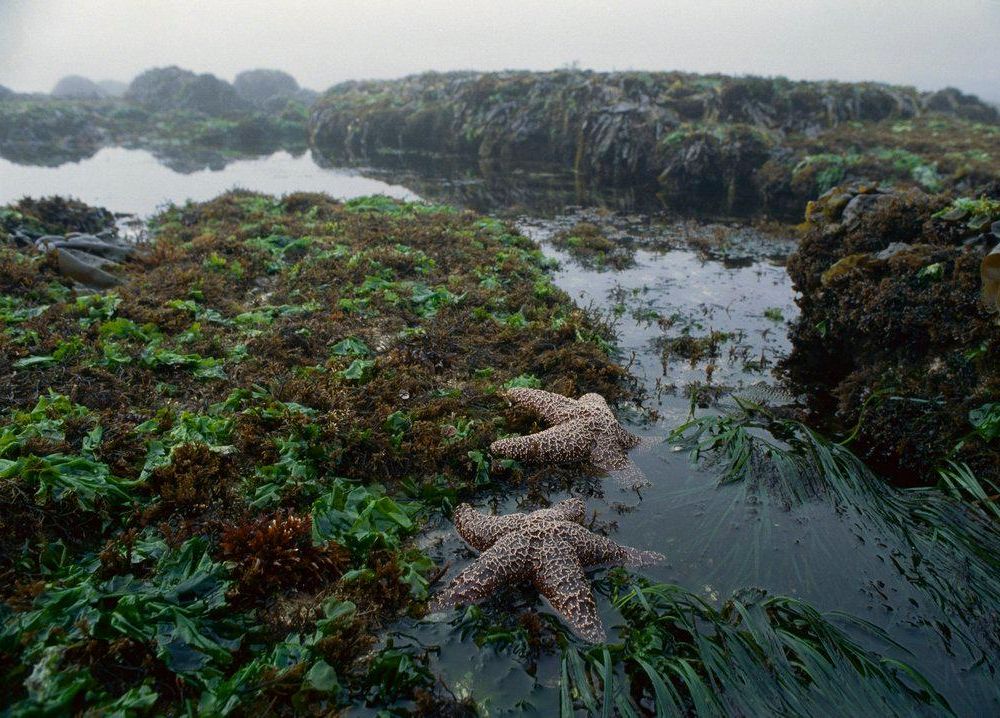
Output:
x=897 y=339
x=722 y=143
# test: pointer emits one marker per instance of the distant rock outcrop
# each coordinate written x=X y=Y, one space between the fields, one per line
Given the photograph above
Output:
x=113 y=88
x=5 y=92
x=172 y=88
x=272 y=90
x=259 y=86
x=76 y=87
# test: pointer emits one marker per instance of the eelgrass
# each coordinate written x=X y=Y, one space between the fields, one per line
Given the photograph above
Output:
x=945 y=546
x=758 y=655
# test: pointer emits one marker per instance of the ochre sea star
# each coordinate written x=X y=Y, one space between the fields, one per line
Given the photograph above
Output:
x=548 y=548
x=583 y=429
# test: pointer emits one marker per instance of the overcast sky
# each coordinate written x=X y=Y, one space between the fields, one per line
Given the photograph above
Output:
x=927 y=43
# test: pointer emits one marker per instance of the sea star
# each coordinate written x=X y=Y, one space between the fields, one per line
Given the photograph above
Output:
x=550 y=549
x=584 y=429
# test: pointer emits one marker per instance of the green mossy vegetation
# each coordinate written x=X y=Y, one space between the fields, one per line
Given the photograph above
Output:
x=589 y=244
x=213 y=474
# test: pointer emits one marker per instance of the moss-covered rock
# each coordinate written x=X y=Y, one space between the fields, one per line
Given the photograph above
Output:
x=895 y=341
x=76 y=87
x=264 y=86
x=720 y=143
x=172 y=88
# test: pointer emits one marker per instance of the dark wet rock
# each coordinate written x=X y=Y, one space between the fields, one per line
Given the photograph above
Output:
x=704 y=170
x=862 y=205
x=896 y=334
x=59 y=215
x=172 y=88
x=81 y=241
x=85 y=268
x=76 y=87
x=95 y=247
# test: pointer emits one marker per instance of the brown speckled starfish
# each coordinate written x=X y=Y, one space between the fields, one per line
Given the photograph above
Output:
x=584 y=430
x=550 y=549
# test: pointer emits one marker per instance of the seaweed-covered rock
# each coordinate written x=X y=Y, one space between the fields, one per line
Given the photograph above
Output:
x=724 y=142
x=76 y=87
x=171 y=88
x=953 y=101
x=895 y=337
x=60 y=215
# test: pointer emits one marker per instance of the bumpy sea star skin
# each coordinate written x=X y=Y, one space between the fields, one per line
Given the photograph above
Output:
x=548 y=548
x=584 y=429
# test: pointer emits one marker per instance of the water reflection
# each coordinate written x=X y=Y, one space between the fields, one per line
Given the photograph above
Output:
x=137 y=182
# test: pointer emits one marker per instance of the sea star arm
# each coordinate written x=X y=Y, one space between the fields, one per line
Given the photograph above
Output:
x=554 y=408
x=644 y=444
x=566 y=510
x=501 y=566
x=618 y=464
x=595 y=550
x=483 y=530
x=627 y=439
x=569 y=441
x=560 y=579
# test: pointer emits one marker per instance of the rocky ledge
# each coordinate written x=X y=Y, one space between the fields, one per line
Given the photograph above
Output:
x=898 y=335
x=720 y=143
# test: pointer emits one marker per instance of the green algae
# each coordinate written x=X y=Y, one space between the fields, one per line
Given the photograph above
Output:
x=339 y=386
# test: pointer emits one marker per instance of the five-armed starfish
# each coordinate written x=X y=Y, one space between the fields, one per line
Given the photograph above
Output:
x=584 y=429
x=548 y=548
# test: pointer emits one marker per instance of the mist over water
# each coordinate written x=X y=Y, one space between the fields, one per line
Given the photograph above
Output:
x=924 y=43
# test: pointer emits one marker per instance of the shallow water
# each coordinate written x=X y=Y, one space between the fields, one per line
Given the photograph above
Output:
x=717 y=539
x=135 y=181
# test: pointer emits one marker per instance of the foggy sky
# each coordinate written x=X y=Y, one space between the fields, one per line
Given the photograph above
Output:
x=927 y=43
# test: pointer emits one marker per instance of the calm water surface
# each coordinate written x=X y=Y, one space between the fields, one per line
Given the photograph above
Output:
x=717 y=539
